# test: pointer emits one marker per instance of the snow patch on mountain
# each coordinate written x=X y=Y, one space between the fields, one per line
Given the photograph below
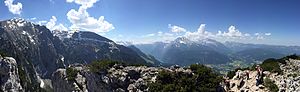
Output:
x=62 y=34
x=29 y=36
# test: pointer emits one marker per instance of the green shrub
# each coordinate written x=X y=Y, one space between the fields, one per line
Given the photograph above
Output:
x=271 y=85
x=203 y=80
x=294 y=56
x=282 y=60
x=71 y=73
x=293 y=75
x=231 y=74
x=22 y=75
x=102 y=65
x=3 y=54
x=271 y=65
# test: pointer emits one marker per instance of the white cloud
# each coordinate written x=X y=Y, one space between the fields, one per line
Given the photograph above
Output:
x=201 y=33
x=52 y=25
x=149 y=35
x=201 y=29
x=267 y=34
x=13 y=8
x=84 y=3
x=247 y=34
x=34 y=18
x=260 y=37
x=81 y=19
x=233 y=32
x=176 y=29
x=60 y=27
x=69 y=1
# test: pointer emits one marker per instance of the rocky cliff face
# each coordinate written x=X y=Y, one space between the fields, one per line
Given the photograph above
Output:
x=9 y=80
x=37 y=47
x=119 y=78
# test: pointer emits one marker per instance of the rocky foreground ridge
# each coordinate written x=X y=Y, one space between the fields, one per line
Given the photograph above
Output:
x=286 y=78
x=118 y=78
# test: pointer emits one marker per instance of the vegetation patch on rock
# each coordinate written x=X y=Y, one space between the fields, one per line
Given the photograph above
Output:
x=271 y=85
x=71 y=73
x=203 y=79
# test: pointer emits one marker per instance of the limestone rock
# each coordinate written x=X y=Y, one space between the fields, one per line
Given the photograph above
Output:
x=9 y=77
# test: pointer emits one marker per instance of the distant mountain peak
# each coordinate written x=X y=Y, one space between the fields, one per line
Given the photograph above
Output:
x=16 y=23
x=208 y=42
x=124 y=43
x=86 y=35
x=182 y=40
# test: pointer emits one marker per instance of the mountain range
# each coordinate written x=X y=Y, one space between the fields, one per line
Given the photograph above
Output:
x=183 y=51
x=40 y=51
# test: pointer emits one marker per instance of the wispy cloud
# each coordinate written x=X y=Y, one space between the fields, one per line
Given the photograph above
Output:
x=149 y=35
x=267 y=34
x=34 y=18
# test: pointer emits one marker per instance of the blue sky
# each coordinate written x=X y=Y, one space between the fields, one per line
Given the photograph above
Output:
x=250 y=21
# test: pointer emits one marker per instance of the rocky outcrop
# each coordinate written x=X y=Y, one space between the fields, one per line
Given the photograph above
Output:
x=118 y=78
x=289 y=81
x=61 y=83
x=9 y=77
x=246 y=85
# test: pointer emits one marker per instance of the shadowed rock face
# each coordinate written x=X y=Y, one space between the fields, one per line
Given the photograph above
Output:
x=84 y=47
x=31 y=45
x=9 y=77
x=35 y=45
